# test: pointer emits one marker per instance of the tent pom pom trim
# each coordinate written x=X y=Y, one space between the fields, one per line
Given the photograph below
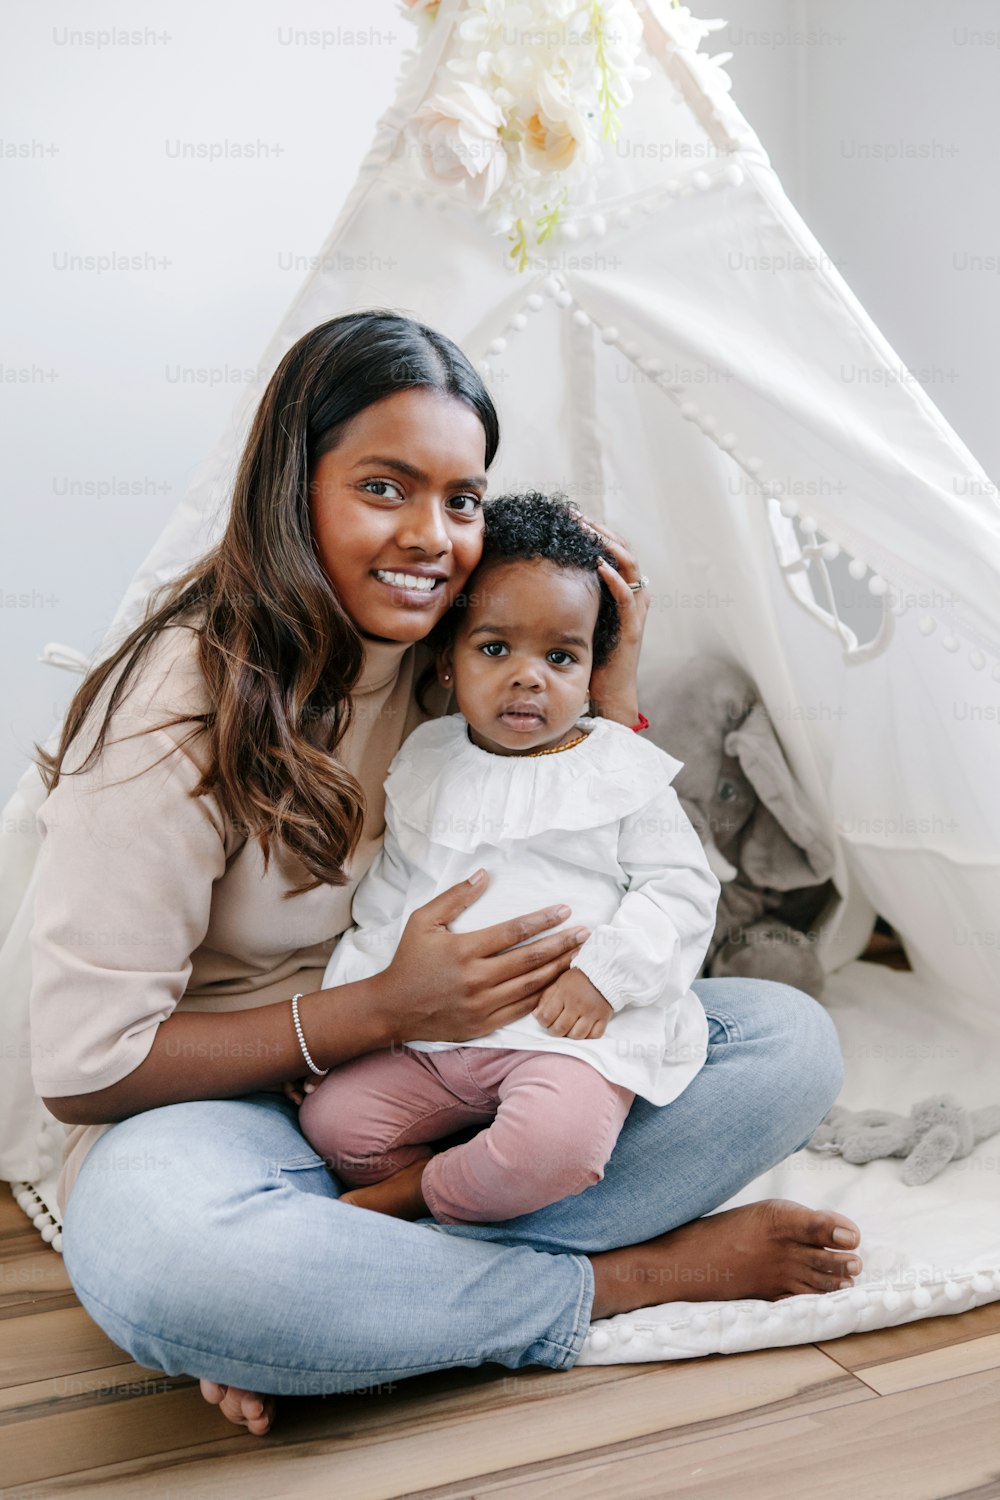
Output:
x=891 y=595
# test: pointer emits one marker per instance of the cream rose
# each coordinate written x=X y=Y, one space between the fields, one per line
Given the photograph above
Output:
x=555 y=132
x=550 y=144
x=458 y=135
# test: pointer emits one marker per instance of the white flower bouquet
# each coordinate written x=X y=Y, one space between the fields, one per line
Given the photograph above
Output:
x=533 y=88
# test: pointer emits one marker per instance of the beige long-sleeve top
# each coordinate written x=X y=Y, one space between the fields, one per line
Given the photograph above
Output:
x=147 y=899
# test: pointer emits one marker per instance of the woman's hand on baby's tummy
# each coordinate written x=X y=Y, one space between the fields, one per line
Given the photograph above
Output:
x=573 y=1007
x=445 y=986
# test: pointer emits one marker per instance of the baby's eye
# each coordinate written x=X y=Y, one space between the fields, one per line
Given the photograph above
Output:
x=566 y=658
x=726 y=791
x=494 y=648
x=378 y=487
x=471 y=505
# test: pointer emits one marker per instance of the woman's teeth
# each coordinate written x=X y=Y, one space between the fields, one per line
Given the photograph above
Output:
x=407 y=580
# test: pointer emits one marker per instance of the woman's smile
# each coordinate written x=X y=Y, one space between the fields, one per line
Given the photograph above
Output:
x=411 y=587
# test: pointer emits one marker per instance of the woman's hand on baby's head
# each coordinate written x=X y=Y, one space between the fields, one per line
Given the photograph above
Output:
x=613 y=691
x=573 y=1007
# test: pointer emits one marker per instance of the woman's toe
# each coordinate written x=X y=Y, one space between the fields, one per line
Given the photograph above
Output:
x=242 y=1408
x=844 y=1233
x=821 y=1228
x=829 y=1267
x=256 y=1411
x=262 y=1423
x=821 y=1281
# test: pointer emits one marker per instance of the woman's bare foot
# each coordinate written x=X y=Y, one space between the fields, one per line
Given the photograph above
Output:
x=244 y=1408
x=768 y=1250
x=401 y=1195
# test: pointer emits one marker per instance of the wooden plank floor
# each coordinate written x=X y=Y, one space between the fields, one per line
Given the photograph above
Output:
x=911 y=1413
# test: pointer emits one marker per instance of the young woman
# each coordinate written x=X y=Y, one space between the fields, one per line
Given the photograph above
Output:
x=214 y=801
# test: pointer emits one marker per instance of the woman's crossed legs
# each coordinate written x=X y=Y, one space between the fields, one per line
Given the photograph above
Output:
x=186 y=1219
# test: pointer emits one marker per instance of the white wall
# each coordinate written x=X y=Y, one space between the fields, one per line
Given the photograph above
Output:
x=900 y=126
x=101 y=404
x=95 y=401
x=882 y=117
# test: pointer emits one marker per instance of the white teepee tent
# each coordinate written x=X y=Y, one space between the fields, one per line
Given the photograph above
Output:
x=674 y=358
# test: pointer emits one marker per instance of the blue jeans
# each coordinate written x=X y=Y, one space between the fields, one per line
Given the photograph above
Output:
x=207 y=1238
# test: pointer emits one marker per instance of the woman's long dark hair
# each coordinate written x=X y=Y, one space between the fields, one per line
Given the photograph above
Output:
x=279 y=655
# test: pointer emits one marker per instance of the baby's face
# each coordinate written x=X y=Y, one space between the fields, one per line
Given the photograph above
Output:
x=523 y=654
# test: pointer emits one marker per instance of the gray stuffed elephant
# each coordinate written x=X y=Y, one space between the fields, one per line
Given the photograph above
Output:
x=763 y=840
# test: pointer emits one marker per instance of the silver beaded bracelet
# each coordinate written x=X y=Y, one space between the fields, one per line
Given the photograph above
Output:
x=302 y=1041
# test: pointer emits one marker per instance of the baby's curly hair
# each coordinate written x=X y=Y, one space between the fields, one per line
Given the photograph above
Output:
x=521 y=528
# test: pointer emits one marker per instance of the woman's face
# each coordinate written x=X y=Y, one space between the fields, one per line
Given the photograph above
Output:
x=396 y=511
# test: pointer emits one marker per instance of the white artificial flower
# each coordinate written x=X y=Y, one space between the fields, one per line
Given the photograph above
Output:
x=622 y=27
x=458 y=136
x=687 y=30
x=424 y=13
x=555 y=130
x=711 y=72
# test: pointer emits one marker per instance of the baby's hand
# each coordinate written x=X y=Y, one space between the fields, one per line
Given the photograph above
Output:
x=572 y=1006
x=297 y=1089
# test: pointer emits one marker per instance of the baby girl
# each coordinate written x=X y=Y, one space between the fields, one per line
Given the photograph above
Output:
x=552 y=804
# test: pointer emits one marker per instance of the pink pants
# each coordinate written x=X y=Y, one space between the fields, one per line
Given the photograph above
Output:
x=555 y=1123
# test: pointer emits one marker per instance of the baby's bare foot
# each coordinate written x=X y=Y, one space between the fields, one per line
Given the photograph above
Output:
x=400 y=1196
x=768 y=1250
x=243 y=1408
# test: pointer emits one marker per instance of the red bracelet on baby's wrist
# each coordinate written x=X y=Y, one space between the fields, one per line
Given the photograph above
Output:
x=642 y=724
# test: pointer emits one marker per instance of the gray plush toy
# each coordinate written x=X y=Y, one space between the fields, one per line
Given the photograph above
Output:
x=937 y=1130
x=763 y=840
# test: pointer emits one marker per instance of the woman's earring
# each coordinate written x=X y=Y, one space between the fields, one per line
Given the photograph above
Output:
x=447 y=677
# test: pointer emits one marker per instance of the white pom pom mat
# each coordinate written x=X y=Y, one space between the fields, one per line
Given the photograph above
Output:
x=926 y=1251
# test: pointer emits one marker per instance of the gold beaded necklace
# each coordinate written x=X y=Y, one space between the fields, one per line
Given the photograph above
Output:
x=555 y=749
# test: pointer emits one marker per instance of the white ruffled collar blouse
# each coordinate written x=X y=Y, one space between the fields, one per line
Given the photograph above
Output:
x=598 y=781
